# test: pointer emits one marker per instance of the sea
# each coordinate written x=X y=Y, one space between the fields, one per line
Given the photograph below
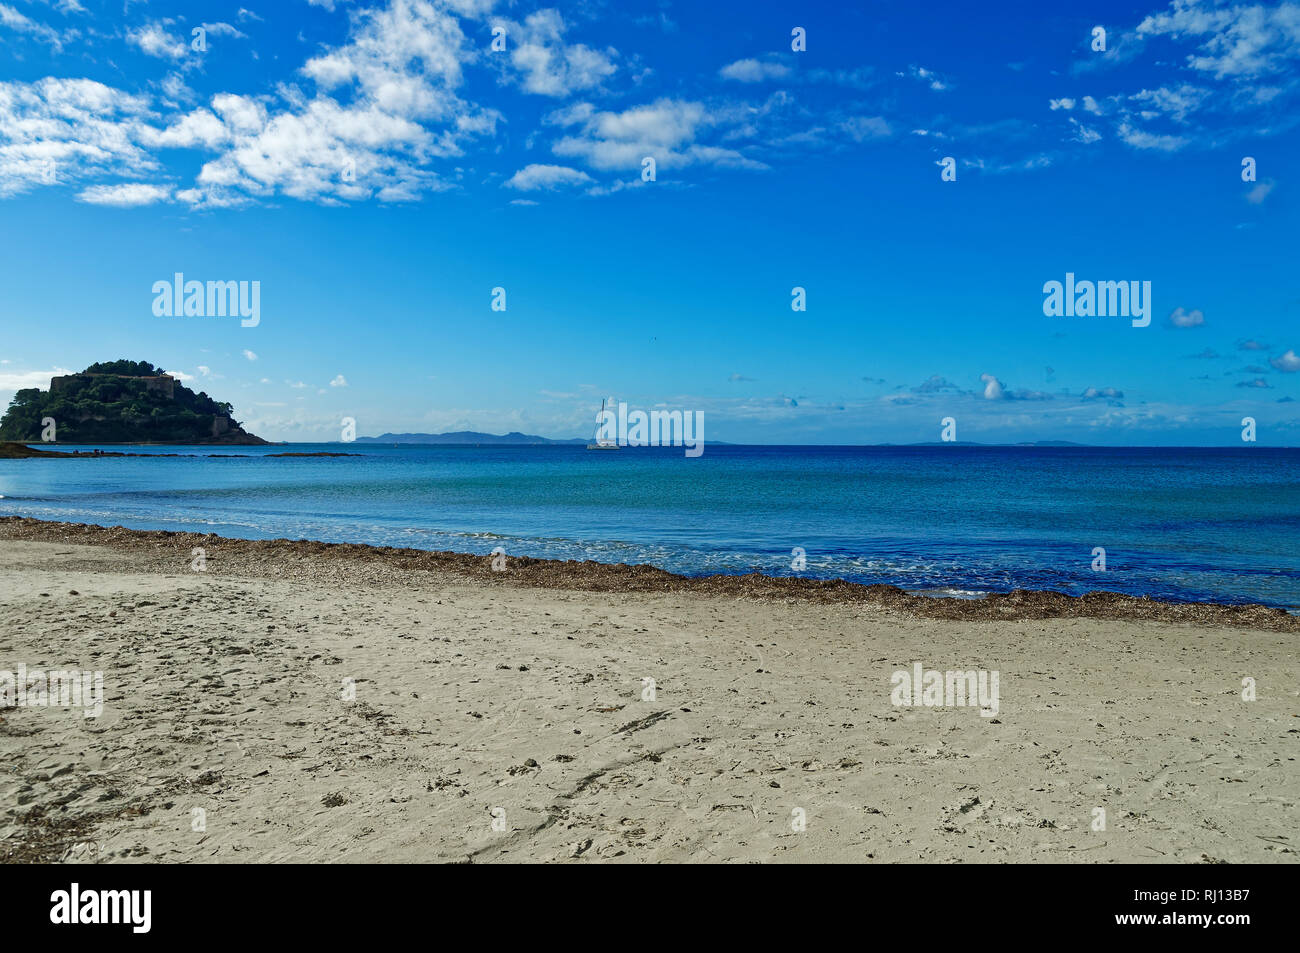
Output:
x=1181 y=524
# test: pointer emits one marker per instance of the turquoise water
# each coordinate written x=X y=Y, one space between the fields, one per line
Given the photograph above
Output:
x=1188 y=524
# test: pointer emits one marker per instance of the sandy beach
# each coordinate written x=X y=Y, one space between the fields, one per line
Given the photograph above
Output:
x=303 y=702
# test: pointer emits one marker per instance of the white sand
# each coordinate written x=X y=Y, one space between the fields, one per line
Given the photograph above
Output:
x=224 y=694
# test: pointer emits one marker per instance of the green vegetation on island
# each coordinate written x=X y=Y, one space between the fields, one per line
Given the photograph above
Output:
x=121 y=402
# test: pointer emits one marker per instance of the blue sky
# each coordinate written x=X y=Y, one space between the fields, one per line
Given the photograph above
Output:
x=379 y=169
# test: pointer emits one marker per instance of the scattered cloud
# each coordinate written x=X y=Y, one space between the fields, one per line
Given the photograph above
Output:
x=665 y=130
x=754 y=71
x=864 y=128
x=12 y=19
x=126 y=195
x=1141 y=139
x=548 y=177
x=1103 y=393
x=56 y=131
x=1260 y=192
x=1288 y=363
x=548 y=66
x=935 y=384
x=929 y=77
x=1182 y=318
x=155 y=39
x=1235 y=40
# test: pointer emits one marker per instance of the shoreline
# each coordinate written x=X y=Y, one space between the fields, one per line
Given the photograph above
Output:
x=303 y=703
x=15 y=450
x=171 y=552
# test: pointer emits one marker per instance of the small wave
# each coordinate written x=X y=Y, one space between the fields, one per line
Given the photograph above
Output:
x=949 y=593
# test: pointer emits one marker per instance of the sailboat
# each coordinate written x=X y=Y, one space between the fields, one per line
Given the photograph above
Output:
x=599 y=442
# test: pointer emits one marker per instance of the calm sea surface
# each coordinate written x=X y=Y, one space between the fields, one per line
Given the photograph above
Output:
x=1190 y=524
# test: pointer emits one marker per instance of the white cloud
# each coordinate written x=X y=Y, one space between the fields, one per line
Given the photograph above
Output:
x=754 y=71
x=21 y=380
x=549 y=177
x=339 y=381
x=250 y=355
x=1236 y=40
x=1139 y=139
x=863 y=128
x=1064 y=103
x=666 y=130
x=546 y=64
x=1082 y=133
x=1288 y=363
x=153 y=39
x=126 y=195
x=398 y=74
x=1103 y=393
x=58 y=130
x=224 y=29
x=1176 y=103
x=929 y=77
x=12 y=19
x=1181 y=318
x=992 y=387
x=1260 y=192
x=198 y=129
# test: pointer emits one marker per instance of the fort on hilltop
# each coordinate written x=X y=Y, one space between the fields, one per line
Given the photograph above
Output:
x=163 y=384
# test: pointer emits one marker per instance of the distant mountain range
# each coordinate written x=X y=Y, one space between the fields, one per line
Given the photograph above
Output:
x=468 y=437
x=976 y=443
x=514 y=438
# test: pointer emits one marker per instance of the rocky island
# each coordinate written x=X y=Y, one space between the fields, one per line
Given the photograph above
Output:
x=121 y=402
